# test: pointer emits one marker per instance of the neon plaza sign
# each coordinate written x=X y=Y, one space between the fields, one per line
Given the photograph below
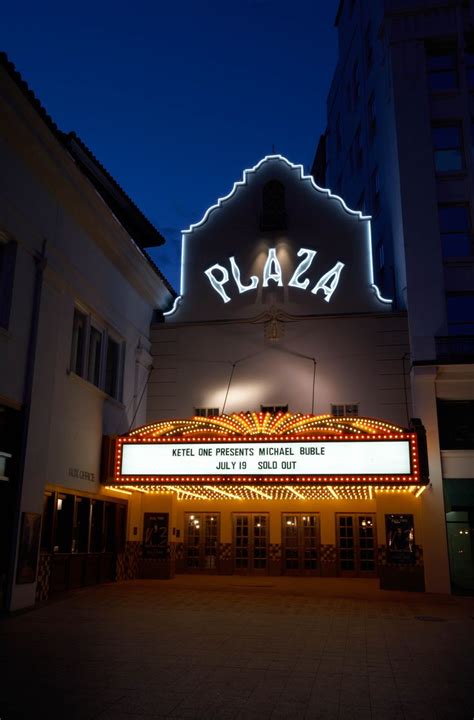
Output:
x=218 y=275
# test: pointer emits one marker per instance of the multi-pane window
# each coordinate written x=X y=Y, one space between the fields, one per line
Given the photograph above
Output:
x=447 y=147
x=7 y=266
x=206 y=412
x=442 y=68
x=342 y=410
x=82 y=525
x=460 y=312
x=274 y=408
x=95 y=355
x=455 y=230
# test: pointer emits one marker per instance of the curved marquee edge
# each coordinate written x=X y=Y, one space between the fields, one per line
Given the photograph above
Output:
x=266 y=424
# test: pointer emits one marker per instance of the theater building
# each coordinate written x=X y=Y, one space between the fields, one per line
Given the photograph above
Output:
x=280 y=437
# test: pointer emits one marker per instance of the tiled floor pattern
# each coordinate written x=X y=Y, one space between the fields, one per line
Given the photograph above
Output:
x=225 y=648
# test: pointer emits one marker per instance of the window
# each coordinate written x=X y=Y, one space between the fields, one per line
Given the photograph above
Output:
x=96 y=356
x=372 y=117
x=470 y=69
x=274 y=408
x=78 y=342
x=381 y=255
x=206 y=412
x=343 y=410
x=111 y=385
x=273 y=215
x=455 y=230
x=456 y=424
x=357 y=150
x=7 y=269
x=447 y=146
x=349 y=97
x=95 y=350
x=375 y=187
x=442 y=70
x=355 y=85
x=460 y=312
x=369 y=52
x=469 y=58
x=338 y=136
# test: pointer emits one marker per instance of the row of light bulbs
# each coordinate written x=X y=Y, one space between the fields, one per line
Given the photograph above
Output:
x=288 y=492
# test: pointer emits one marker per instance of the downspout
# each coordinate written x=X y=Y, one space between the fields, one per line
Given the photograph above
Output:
x=40 y=263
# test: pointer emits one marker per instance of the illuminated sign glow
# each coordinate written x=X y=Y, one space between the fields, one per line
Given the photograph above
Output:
x=289 y=459
x=294 y=282
x=219 y=276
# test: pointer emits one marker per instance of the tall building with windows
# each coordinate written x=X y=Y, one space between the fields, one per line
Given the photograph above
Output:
x=398 y=145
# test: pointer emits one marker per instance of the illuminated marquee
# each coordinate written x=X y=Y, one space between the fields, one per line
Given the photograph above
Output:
x=218 y=275
x=267 y=449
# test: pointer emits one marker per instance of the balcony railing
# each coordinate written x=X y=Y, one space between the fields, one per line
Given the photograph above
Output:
x=455 y=348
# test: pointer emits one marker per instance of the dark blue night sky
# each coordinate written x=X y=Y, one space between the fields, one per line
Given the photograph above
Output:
x=177 y=99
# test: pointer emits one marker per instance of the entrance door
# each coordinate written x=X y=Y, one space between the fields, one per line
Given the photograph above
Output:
x=356 y=545
x=251 y=543
x=300 y=540
x=201 y=541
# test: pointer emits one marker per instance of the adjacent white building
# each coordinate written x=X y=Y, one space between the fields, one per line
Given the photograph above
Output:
x=77 y=295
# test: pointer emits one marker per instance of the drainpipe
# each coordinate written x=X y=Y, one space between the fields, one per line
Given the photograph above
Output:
x=40 y=260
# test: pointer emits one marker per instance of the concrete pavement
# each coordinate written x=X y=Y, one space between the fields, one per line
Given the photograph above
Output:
x=240 y=647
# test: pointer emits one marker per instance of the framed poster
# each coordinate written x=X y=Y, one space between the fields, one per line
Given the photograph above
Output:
x=29 y=546
x=155 y=535
x=400 y=539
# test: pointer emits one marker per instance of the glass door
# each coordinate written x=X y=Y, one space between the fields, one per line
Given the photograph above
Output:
x=250 y=543
x=356 y=545
x=201 y=541
x=300 y=540
x=460 y=531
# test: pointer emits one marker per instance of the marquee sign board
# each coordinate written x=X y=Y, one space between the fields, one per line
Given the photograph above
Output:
x=340 y=459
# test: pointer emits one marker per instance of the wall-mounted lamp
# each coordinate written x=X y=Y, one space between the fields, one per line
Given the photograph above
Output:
x=60 y=503
x=3 y=460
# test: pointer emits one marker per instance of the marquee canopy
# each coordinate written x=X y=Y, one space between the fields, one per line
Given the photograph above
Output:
x=266 y=455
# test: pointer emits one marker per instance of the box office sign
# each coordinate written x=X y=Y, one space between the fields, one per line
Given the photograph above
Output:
x=367 y=458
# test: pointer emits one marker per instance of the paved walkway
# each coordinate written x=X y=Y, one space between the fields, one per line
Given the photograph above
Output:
x=238 y=647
